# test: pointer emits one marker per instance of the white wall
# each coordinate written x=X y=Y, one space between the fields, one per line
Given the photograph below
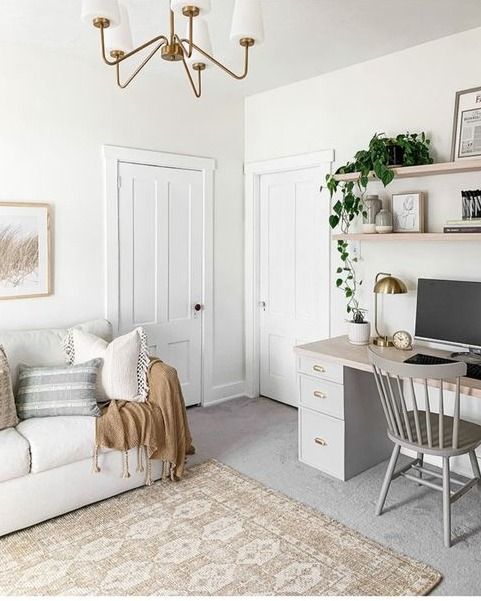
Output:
x=409 y=90
x=56 y=113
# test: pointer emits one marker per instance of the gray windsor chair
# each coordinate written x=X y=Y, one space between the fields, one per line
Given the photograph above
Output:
x=424 y=431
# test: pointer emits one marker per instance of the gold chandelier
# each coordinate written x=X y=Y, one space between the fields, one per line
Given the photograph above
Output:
x=193 y=50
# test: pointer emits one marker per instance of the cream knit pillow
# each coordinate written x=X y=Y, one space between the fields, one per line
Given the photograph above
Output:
x=123 y=375
x=8 y=413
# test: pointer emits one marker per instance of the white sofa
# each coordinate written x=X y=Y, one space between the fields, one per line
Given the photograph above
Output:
x=46 y=463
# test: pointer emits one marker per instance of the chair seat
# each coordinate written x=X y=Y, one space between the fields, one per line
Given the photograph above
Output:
x=469 y=435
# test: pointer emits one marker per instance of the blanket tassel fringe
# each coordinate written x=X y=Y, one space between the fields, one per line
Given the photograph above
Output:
x=125 y=473
x=167 y=470
x=95 y=466
x=148 y=476
x=140 y=458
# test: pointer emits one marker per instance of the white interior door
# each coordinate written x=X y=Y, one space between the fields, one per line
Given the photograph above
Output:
x=160 y=265
x=294 y=274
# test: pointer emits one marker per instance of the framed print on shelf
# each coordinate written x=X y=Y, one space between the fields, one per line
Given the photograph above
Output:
x=408 y=212
x=466 y=142
x=25 y=250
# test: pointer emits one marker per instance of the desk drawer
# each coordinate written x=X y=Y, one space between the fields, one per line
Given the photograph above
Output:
x=322 y=395
x=327 y=370
x=321 y=443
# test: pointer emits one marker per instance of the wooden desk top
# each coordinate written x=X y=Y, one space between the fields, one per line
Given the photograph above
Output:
x=342 y=351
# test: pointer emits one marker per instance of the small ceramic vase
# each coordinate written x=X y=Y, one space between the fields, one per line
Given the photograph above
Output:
x=384 y=222
x=372 y=205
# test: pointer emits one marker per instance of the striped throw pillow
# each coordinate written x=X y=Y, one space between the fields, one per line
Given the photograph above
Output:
x=62 y=390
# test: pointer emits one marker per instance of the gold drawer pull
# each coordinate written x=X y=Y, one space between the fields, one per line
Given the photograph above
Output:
x=318 y=368
x=320 y=441
x=320 y=395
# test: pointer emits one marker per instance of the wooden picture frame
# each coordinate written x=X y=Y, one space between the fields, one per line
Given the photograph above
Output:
x=466 y=140
x=25 y=250
x=408 y=210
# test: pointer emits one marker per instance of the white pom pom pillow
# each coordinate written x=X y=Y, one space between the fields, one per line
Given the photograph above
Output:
x=123 y=375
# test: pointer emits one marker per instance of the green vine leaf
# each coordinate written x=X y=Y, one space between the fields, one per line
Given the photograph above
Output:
x=411 y=149
x=334 y=221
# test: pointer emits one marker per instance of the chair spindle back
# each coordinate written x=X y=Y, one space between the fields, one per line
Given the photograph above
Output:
x=396 y=386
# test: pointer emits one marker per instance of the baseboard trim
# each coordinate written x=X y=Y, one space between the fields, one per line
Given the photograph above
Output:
x=225 y=392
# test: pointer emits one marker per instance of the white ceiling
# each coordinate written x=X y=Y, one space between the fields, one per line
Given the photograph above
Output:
x=304 y=38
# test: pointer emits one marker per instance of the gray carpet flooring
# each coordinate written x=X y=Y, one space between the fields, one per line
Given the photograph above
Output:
x=259 y=438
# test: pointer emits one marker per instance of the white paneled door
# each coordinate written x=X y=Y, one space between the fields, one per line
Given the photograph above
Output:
x=294 y=274
x=160 y=265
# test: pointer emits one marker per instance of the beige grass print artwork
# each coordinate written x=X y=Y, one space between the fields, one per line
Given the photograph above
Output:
x=24 y=250
x=19 y=255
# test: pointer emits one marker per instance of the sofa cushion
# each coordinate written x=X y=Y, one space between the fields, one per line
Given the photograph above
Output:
x=44 y=347
x=14 y=454
x=56 y=441
x=123 y=375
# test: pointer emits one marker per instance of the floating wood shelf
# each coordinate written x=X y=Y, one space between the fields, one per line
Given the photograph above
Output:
x=422 y=170
x=433 y=237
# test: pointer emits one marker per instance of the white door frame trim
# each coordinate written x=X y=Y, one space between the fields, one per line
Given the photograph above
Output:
x=253 y=171
x=113 y=155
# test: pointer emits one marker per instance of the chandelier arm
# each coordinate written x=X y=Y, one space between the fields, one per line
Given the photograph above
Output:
x=139 y=68
x=191 y=36
x=197 y=91
x=160 y=38
x=219 y=64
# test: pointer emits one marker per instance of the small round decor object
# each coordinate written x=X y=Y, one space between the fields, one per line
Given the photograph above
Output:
x=403 y=341
x=384 y=222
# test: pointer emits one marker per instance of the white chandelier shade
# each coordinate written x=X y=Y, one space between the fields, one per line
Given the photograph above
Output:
x=101 y=9
x=119 y=38
x=202 y=5
x=202 y=39
x=247 y=21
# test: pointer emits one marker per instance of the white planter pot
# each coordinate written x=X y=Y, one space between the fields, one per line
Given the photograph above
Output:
x=358 y=333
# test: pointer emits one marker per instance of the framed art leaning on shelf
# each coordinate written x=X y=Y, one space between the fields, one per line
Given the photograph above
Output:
x=408 y=212
x=25 y=250
x=466 y=142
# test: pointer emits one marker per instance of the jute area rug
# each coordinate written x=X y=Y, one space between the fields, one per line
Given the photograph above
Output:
x=214 y=533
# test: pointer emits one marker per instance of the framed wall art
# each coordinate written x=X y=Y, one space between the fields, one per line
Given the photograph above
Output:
x=408 y=212
x=25 y=250
x=466 y=143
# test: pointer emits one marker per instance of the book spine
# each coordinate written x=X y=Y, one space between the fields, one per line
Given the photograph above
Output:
x=463 y=222
x=462 y=230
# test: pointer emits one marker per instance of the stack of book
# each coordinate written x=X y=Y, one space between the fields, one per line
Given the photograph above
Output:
x=463 y=226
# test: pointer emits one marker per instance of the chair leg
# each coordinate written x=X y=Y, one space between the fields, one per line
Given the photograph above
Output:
x=446 y=502
x=474 y=464
x=420 y=457
x=387 y=479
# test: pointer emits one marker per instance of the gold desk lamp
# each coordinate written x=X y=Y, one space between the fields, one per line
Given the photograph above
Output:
x=386 y=285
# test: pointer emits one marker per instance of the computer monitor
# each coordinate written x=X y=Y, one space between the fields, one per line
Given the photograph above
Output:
x=449 y=311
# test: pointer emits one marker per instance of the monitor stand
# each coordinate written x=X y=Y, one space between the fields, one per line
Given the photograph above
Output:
x=473 y=355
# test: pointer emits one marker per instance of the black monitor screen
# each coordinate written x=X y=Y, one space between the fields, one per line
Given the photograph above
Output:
x=449 y=311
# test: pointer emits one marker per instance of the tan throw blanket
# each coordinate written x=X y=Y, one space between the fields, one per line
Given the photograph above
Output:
x=158 y=428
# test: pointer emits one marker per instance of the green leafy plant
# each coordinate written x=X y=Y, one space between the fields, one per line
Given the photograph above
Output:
x=346 y=280
x=347 y=207
x=378 y=158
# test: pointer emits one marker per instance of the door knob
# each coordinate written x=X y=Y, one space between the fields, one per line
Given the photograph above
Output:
x=198 y=307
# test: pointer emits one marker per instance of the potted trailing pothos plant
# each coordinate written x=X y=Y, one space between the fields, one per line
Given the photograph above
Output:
x=358 y=329
x=382 y=154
